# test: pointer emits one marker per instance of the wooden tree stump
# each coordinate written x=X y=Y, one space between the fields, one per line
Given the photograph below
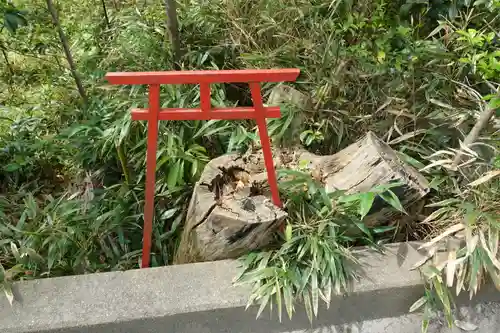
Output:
x=230 y=212
x=227 y=215
x=365 y=164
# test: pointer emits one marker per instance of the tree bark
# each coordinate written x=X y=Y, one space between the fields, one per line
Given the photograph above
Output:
x=230 y=213
x=173 y=31
x=67 y=51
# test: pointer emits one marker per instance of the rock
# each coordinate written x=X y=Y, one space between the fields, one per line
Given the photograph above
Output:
x=282 y=93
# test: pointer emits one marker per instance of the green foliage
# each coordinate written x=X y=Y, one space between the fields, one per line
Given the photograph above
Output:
x=71 y=176
x=315 y=259
x=13 y=18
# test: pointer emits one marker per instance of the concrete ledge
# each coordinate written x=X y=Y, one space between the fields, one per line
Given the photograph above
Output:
x=200 y=298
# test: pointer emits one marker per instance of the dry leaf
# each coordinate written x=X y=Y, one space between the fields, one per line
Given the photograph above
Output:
x=447 y=232
x=467 y=149
x=460 y=278
x=451 y=266
x=441 y=152
x=444 y=163
x=425 y=258
x=441 y=104
x=493 y=240
x=383 y=106
x=471 y=244
x=487 y=250
x=436 y=214
x=465 y=325
x=407 y=136
x=489 y=175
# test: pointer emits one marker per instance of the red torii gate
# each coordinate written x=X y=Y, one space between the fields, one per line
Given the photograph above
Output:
x=154 y=113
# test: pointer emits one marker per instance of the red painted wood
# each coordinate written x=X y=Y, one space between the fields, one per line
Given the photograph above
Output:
x=154 y=107
x=196 y=77
x=198 y=114
x=153 y=114
x=205 y=97
x=265 y=141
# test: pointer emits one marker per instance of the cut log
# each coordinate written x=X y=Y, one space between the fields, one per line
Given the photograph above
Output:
x=227 y=215
x=365 y=164
x=230 y=212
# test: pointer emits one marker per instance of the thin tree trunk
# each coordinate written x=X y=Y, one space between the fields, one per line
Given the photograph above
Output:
x=105 y=13
x=67 y=51
x=6 y=57
x=173 y=30
x=115 y=4
x=483 y=120
x=11 y=70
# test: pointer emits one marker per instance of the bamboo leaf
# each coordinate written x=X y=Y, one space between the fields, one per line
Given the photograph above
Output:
x=467 y=149
x=327 y=292
x=407 y=136
x=493 y=259
x=288 y=232
x=278 y=299
x=451 y=230
x=173 y=174
x=265 y=259
x=474 y=273
x=366 y=203
x=451 y=267
x=488 y=176
x=365 y=229
x=444 y=203
x=445 y=162
x=314 y=292
x=432 y=251
x=460 y=278
x=437 y=214
x=441 y=104
x=392 y=200
x=7 y=289
x=493 y=240
x=2 y=273
x=263 y=303
x=257 y=275
x=15 y=251
x=288 y=297
x=471 y=244
x=427 y=315
x=418 y=304
x=307 y=304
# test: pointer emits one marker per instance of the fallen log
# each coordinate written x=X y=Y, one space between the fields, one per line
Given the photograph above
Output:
x=230 y=212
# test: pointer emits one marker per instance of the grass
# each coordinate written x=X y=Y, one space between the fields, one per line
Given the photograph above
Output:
x=417 y=75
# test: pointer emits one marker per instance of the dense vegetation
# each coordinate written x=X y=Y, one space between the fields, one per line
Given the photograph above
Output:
x=72 y=164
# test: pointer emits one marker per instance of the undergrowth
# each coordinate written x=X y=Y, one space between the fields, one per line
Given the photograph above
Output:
x=418 y=74
x=315 y=259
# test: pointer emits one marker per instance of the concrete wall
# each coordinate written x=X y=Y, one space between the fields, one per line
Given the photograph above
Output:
x=200 y=298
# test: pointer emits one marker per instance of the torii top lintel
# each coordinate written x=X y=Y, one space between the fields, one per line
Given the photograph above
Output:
x=210 y=76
